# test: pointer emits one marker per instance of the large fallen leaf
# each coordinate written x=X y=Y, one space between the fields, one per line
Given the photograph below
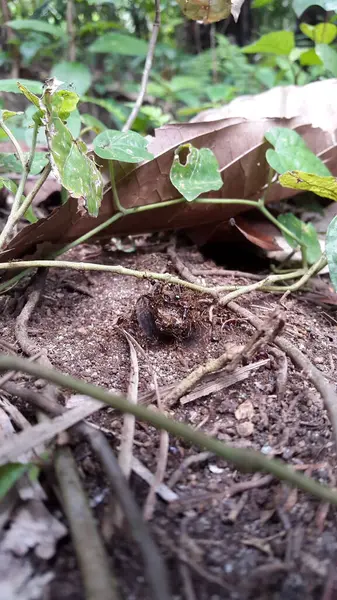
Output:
x=237 y=140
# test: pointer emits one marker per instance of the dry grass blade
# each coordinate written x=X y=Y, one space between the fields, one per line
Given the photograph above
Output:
x=92 y=558
x=221 y=380
x=128 y=429
x=157 y=480
x=162 y=490
x=45 y=431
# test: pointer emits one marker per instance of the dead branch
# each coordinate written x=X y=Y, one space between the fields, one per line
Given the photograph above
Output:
x=94 y=564
x=154 y=566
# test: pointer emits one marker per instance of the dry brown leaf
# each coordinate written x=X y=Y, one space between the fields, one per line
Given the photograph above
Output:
x=238 y=143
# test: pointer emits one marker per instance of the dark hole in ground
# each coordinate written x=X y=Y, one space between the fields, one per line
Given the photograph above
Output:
x=242 y=256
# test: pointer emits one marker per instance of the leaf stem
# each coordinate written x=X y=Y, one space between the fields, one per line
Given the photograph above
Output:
x=26 y=166
x=117 y=204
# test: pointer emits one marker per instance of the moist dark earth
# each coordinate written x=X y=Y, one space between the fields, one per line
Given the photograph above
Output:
x=261 y=540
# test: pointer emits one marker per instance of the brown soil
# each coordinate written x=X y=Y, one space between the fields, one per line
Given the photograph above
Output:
x=266 y=542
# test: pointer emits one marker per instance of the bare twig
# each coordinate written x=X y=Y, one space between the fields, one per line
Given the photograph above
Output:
x=92 y=558
x=221 y=380
x=157 y=480
x=21 y=325
x=316 y=377
x=225 y=273
x=237 y=488
x=128 y=429
x=248 y=460
x=156 y=572
x=147 y=68
x=269 y=330
x=26 y=166
x=155 y=567
x=187 y=462
x=144 y=473
x=196 y=567
x=45 y=431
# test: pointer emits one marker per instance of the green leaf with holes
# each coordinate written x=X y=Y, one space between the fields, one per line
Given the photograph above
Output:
x=331 y=251
x=73 y=168
x=9 y=475
x=305 y=232
x=194 y=171
x=128 y=146
x=326 y=187
x=291 y=153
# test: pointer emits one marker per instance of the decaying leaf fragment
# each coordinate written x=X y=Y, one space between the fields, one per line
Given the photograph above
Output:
x=210 y=11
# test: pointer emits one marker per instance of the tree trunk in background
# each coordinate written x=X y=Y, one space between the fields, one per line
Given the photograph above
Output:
x=71 y=31
x=8 y=36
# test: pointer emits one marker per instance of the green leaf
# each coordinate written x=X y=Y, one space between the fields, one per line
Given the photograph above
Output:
x=11 y=85
x=74 y=74
x=29 y=95
x=74 y=169
x=119 y=43
x=74 y=124
x=63 y=103
x=114 y=108
x=328 y=56
x=300 y=6
x=194 y=171
x=7 y=114
x=12 y=187
x=326 y=187
x=305 y=232
x=323 y=33
x=95 y=124
x=291 y=153
x=9 y=162
x=126 y=146
x=9 y=475
x=260 y=3
x=309 y=58
x=277 y=42
x=37 y=25
x=9 y=185
x=331 y=250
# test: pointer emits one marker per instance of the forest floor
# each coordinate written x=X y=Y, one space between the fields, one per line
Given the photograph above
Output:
x=225 y=534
